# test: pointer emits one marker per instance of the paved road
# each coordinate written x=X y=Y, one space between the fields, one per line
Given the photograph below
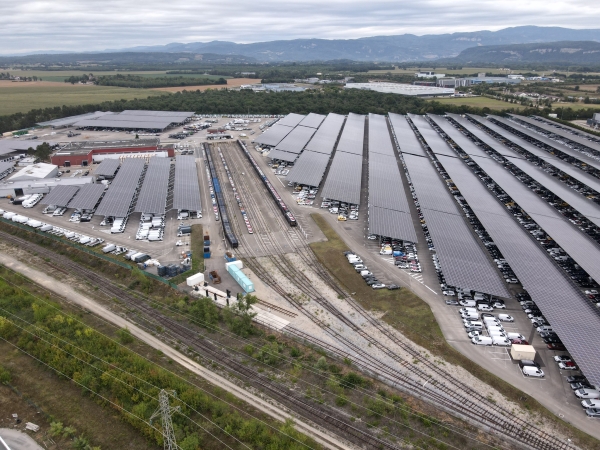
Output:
x=16 y=440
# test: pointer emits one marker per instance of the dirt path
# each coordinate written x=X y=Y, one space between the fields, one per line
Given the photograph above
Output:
x=65 y=291
x=16 y=440
x=231 y=83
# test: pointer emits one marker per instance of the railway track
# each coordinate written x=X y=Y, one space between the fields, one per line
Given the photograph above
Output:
x=450 y=391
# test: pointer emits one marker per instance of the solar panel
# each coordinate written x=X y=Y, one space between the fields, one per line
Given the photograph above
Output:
x=309 y=169
x=344 y=178
x=560 y=126
x=186 y=192
x=4 y=166
x=312 y=120
x=291 y=120
x=430 y=135
x=60 y=196
x=282 y=156
x=173 y=114
x=353 y=136
x=405 y=137
x=273 y=135
x=295 y=141
x=88 y=196
x=323 y=141
x=117 y=199
x=107 y=167
x=572 y=316
x=390 y=223
x=379 y=135
x=153 y=194
x=386 y=188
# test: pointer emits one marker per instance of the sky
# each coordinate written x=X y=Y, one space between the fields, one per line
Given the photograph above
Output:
x=91 y=25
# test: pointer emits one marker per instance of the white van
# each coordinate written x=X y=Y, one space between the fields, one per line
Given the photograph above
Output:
x=481 y=340
x=532 y=371
x=501 y=340
x=515 y=336
x=475 y=325
x=498 y=333
x=469 y=316
x=469 y=303
x=491 y=322
x=479 y=297
x=500 y=329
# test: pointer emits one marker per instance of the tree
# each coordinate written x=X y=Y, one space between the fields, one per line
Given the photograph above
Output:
x=125 y=336
x=205 y=311
x=239 y=316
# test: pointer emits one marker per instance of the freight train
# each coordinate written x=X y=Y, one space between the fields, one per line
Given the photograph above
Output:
x=229 y=235
x=287 y=214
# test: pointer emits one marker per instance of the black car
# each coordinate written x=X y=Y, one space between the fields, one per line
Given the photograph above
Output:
x=393 y=287
x=372 y=282
x=348 y=253
x=581 y=385
x=576 y=379
x=452 y=302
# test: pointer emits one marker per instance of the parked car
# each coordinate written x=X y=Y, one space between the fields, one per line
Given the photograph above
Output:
x=587 y=393
x=568 y=365
x=517 y=341
x=393 y=287
x=378 y=286
x=590 y=403
x=532 y=371
x=593 y=412
x=556 y=346
x=562 y=358
x=576 y=379
x=505 y=318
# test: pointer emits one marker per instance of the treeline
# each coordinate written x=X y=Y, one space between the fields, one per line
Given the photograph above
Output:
x=225 y=101
x=99 y=365
x=136 y=81
x=81 y=79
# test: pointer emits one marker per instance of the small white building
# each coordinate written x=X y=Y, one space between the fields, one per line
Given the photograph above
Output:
x=429 y=75
x=37 y=171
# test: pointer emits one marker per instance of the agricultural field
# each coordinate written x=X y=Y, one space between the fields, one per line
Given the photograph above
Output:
x=23 y=97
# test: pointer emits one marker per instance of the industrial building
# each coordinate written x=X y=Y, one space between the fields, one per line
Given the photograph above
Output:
x=403 y=89
x=40 y=186
x=87 y=152
x=37 y=171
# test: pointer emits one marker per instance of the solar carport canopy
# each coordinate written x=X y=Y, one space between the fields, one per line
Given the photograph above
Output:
x=312 y=120
x=344 y=178
x=323 y=141
x=282 y=156
x=107 y=167
x=153 y=194
x=379 y=136
x=273 y=135
x=149 y=120
x=291 y=120
x=118 y=197
x=390 y=223
x=353 y=135
x=573 y=317
x=88 y=196
x=186 y=192
x=295 y=141
x=309 y=168
x=60 y=196
x=407 y=140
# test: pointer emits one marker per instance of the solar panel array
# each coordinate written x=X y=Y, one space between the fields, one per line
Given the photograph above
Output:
x=60 y=196
x=353 y=136
x=282 y=156
x=4 y=166
x=323 y=141
x=379 y=136
x=273 y=135
x=118 y=197
x=88 y=196
x=309 y=169
x=584 y=134
x=291 y=120
x=295 y=141
x=186 y=191
x=559 y=131
x=387 y=222
x=312 y=120
x=572 y=316
x=344 y=178
x=153 y=194
x=429 y=133
x=107 y=167
x=407 y=140
x=133 y=119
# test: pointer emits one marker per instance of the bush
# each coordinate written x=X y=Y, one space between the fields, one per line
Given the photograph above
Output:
x=125 y=336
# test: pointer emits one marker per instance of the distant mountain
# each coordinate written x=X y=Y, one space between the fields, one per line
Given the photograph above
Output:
x=565 y=52
x=400 y=48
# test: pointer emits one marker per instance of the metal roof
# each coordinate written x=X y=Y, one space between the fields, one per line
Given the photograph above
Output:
x=12 y=145
x=186 y=191
x=60 y=196
x=571 y=315
x=353 y=136
x=464 y=261
x=312 y=120
x=386 y=188
x=578 y=132
x=88 y=196
x=291 y=120
x=282 y=156
x=273 y=135
x=309 y=169
x=405 y=138
x=107 y=168
x=140 y=113
x=153 y=194
x=118 y=197
x=344 y=178
x=571 y=170
x=379 y=136
x=390 y=223
x=295 y=141
x=133 y=119
x=68 y=121
x=429 y=133
x=4 y=166
x=323 y=141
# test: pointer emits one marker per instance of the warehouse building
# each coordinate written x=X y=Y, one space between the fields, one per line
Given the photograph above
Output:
x=403 y=89
x=37 y=171
x=42 y=186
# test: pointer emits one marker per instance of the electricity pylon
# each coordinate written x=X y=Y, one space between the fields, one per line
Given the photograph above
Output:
x=164 y=411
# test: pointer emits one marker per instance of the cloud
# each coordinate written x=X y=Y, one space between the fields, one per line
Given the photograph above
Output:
x=77 y=25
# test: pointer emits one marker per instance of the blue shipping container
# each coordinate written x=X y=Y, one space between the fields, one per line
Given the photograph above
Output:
x=206 y=255
x=241 y=278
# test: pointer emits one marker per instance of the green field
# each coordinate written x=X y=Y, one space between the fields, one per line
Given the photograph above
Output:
x=477 y=102
x=61 y=75
x=26 y=97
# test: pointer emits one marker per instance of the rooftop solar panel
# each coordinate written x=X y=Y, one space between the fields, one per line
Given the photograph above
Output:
x=353 y=135
x=291 y=120
x=153 y=194
x=186 y=191
x=60 y=196
x=107 y=167
x=405 y=137
x=88 y=196
x=273 y=135
x=141 y=113
x=390 y=223
x=344 y=178
x=282 y=156
x=309 y=169
x=323 y=141
x=150 y=124
x=312 y=120
x=295 y=141
x=4 y=166
x=379 y=136
x=117 y=199
x=573 y=317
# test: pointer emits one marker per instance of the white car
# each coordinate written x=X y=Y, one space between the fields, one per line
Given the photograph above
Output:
x=567 y=366
x=378 y=286
x=512 y=280
x=451 y=293
x=472 y=334
x=505 y=318
x=484 y=307
x=499 y=305
x=372 y=237
x=587 y=393
x=592 y=292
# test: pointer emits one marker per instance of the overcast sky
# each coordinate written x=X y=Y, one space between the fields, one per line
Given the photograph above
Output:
x=76 y=25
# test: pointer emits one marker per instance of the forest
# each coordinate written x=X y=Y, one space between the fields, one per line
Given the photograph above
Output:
x=136 y=81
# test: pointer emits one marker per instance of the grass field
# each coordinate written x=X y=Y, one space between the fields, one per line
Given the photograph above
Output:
x=477 y=102
x=27 y=96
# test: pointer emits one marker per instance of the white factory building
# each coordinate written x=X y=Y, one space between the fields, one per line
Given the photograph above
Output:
x=403 y=89
x=37 y=171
